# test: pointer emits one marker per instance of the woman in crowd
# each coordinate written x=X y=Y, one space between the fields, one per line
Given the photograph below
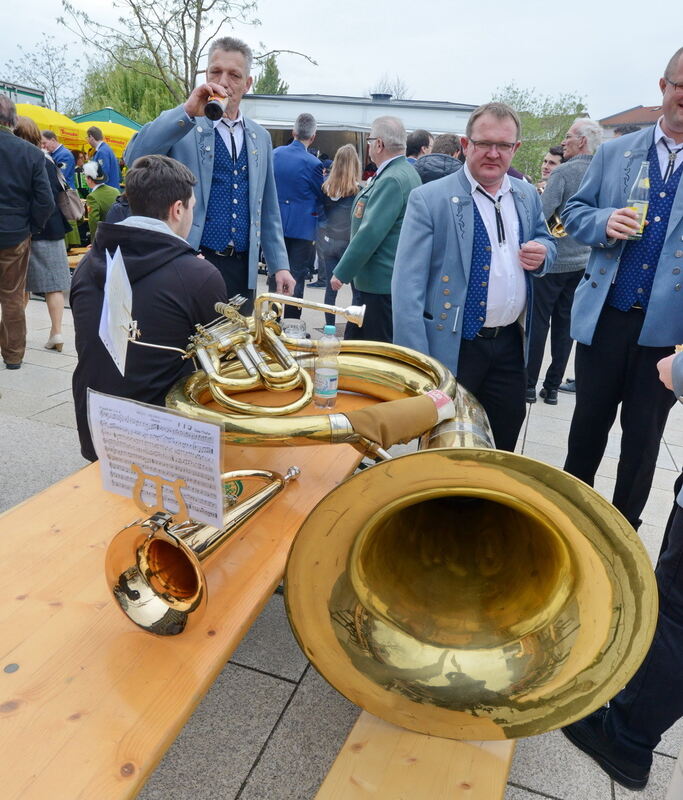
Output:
x=48 y=269
x=340 y=189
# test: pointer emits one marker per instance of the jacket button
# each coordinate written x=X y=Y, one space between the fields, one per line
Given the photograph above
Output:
x=439 y=327
x=678 y=253
x=446 y=291
x=446 y=305
x=443 y=316
x=677 y=287
x=445 y=278
x=594 y=285
x=602 y=270
x=675 y=271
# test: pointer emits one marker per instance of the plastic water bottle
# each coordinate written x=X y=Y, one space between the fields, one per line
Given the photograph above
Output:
x=327 y=369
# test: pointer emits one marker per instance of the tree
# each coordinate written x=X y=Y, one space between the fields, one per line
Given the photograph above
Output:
x=545 y=120
x=268 y=81
x=45 y=66
x=166 y=39
x=130 y=91
x=395 y=86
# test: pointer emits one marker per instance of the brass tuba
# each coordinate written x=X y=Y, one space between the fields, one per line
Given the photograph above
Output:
x=471 y=594
x=459 y=591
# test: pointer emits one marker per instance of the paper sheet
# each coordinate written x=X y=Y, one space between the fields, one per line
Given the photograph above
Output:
x=117 y=310
x=163 y=443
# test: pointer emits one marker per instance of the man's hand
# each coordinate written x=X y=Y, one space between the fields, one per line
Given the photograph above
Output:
x=664 y=369
x=335 y=283
x=194 y=105
x=532 y=254
x=622 y=223
x=284 y=282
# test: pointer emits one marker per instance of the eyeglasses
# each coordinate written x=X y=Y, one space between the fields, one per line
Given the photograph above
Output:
x=678 y=87
x=502 y=147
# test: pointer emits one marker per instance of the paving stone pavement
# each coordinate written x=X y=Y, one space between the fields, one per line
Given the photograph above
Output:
x=270 y=727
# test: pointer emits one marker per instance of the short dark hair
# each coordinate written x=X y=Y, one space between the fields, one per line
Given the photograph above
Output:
x=447 y=143
x=416 y=141
x=622 y=130
x=96 y=133
x=154 y=183
x=497 y=110
x=49 y=135
x=557 y=150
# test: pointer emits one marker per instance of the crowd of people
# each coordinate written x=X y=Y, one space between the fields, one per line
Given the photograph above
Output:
x=453 y=253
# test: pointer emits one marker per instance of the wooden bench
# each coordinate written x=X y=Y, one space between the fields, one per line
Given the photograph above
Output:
x=85 y=706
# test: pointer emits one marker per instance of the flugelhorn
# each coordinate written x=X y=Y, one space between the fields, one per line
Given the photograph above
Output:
x=154 y=567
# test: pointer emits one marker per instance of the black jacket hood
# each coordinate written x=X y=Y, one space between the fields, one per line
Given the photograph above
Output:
x=143 y=250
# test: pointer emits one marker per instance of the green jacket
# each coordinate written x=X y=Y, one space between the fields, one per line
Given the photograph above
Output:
x=376 y=222
x=99 y=201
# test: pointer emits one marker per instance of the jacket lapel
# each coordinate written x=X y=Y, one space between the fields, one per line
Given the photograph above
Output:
x=254 y=161
x=459 y=199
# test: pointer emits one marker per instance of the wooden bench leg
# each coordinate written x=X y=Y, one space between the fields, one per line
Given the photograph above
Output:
x=380 y=760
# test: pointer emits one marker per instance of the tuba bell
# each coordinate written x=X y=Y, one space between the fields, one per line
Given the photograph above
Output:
x=471 y=594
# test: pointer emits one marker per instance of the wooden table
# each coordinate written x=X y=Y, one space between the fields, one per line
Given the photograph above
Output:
x=88 y=702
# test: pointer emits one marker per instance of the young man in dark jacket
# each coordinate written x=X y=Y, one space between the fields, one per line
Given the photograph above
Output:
x=173 y=290
x=25 y=206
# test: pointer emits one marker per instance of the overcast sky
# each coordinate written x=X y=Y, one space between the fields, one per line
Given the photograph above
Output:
x=612 y=54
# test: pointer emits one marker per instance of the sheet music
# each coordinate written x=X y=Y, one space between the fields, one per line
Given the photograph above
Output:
x=163 y=443
x=117 y=310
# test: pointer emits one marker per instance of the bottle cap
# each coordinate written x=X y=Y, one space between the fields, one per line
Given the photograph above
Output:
x=330 y=330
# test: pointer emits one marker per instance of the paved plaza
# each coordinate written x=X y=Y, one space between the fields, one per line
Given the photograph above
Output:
x=270 y=726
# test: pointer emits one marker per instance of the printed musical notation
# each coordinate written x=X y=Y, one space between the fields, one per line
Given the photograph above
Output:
x=162 y=443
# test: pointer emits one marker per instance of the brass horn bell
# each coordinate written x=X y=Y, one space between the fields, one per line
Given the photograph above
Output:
x=471 y=594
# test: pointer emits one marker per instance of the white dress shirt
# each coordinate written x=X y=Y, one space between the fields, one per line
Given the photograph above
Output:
x=662 y=152
x=224 y=126
x=506 y=298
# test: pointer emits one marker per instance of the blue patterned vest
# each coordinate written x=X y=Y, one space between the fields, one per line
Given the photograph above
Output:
x=639 y=258
x=478 y=284
x=227 y=212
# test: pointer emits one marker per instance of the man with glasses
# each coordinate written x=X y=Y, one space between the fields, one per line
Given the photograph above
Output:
x=628 y=308
x=376 y=222
x=461 y=288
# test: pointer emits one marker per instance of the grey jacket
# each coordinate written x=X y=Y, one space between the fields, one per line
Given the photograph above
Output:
x=563 y=182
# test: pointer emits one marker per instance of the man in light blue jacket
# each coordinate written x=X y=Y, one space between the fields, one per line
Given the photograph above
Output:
x=461 y=290
x=237 y=210
x=628 y=308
